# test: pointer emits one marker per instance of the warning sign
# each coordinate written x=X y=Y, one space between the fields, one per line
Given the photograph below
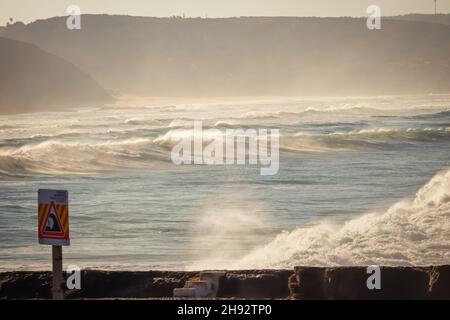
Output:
x=53 y=217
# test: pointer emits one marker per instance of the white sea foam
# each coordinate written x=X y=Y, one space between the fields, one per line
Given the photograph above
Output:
x=62 y=157
x=411 y=232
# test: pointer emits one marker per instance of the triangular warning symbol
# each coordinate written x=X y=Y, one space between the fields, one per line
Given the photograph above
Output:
x=52 y=225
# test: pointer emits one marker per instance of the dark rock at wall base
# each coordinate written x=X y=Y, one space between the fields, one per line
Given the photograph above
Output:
x=25 y=285
x=163 y=286
x=308 y=283
x=127 y=284
x=348 y=283
x=304 y=283
x=396 y=283
x=439 y=284
x=255 y=284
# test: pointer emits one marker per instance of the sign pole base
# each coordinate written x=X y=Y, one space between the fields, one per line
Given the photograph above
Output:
x=57 y=258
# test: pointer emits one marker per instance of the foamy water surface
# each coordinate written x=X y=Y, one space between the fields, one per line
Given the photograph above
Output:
x=361 y=181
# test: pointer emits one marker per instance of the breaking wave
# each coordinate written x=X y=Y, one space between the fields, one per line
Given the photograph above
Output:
x=411 y=232
x=148 y=122
x=51 y=154
x=57 y=157
x=417 y=134
x=311 y=111
x=366 y=138
x=431 y=116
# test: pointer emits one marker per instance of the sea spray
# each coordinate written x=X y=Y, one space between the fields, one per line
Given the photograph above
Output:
x=224 y=230
x=411 y=232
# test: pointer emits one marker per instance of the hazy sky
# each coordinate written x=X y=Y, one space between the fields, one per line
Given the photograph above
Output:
x=30 y=10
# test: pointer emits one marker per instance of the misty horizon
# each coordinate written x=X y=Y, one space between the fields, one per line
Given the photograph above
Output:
x=28 y=11
x=206 y=17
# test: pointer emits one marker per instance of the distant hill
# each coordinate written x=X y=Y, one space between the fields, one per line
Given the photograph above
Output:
x=430 y=18
x=32 y=79
x=251 y=56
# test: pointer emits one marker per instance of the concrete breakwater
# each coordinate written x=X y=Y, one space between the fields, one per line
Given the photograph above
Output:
x=300 y=283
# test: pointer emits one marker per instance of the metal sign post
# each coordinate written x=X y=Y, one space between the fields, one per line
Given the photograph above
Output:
x=53 y=228
x=57 y=269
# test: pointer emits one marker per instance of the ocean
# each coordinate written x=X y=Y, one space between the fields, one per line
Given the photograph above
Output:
x=362 y=180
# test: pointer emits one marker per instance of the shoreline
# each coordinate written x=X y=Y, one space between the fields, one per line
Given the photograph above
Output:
x=300 y=283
